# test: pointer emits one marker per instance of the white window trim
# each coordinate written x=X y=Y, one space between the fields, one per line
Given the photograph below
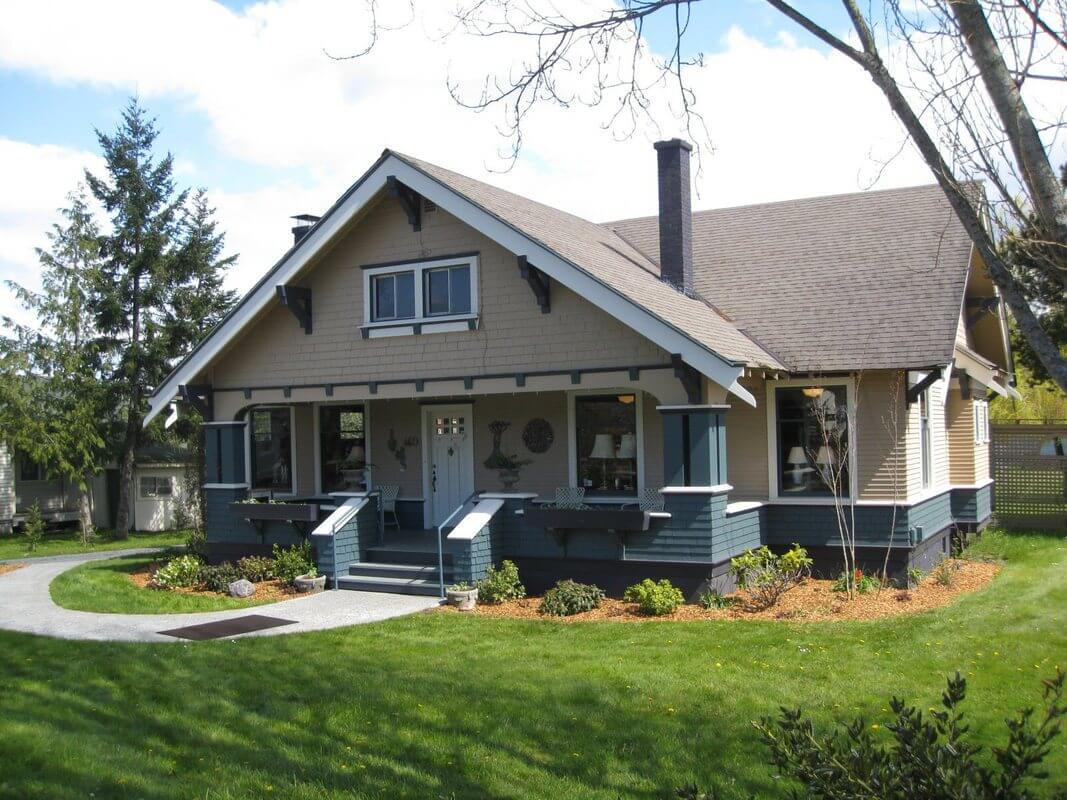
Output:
x=572 y=441
x=156 y=480
x=317 y=435
x=433 y=322
x=772 y=437
x=980 y=414
x=926 y=445
x=292 y=448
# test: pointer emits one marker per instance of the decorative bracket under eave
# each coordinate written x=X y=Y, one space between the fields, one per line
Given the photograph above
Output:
x=539 y=283
x=409 y=200
x=913 y=392
x=198 y=395
x=690 y=379
x=298 y=300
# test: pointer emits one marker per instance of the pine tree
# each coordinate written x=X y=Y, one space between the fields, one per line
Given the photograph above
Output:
x=52 y=398
x=159 y=284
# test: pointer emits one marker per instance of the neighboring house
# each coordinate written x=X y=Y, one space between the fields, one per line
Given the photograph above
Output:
x=158 y=488
x=441 y=338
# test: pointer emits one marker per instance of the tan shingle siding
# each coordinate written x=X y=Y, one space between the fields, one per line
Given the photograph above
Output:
x=746 y=445
x=882 y=470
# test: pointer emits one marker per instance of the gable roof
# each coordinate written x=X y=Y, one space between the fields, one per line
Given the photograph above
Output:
x=871 y=280
x=586 y=258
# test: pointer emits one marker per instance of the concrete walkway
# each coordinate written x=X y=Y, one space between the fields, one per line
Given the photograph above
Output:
x=26 y=606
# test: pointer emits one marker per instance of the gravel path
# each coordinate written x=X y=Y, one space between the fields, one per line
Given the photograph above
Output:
x=26 y=606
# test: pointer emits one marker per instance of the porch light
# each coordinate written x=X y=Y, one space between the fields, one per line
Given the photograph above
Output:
x=813 y=391
x=626 y=399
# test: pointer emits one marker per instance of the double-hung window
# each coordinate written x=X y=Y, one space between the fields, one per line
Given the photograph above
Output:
x=156 y=486
x=812 y=441
x=425 y=297
x=924 y=435
x=271 y=449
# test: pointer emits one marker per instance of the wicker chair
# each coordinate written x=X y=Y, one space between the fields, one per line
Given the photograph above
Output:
x=389 y=495
x=648 y=500
x=570 y=497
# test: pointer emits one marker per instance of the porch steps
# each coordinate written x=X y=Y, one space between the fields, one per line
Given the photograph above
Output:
x=397 y=578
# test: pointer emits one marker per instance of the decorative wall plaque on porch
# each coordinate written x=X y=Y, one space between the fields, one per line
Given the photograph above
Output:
x=538 y=435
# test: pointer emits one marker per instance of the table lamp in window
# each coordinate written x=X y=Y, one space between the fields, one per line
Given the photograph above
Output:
x=604 y=450
x=798 y=461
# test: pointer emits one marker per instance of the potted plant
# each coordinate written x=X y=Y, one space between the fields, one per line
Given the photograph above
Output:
x=310 y=582
x=463 y=596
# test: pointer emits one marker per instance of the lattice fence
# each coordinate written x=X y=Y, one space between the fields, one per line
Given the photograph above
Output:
x=1030 y=470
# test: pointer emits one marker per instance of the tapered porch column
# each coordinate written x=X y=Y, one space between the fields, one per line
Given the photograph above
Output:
x=694 y=445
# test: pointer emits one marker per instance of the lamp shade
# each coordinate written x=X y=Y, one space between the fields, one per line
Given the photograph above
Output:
x=358 y=454
x=627 y=446
x=824 y=456
x=796 y=456
x=603 y=447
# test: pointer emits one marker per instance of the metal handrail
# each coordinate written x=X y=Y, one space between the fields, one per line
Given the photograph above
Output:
x=440 y=545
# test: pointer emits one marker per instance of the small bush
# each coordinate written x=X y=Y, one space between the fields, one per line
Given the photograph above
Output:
x=655 y=599
x=501 y=584
x=256 y=568
x=864 y=584
x=568 y=597
x=462 y=586
x=292 y=562
x=219 y=577
x=33 y=528
x=945 y=574
x=915 y=577
x=712 y=599
x=767 y=576
x=196 y=542
x=180 y=572
x=921 y=756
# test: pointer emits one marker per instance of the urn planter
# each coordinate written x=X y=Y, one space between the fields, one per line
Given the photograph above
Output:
x=463 y=599
x=309 y=584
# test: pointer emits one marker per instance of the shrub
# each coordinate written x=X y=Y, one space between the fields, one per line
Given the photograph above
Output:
x=927 y=757
x=180 y=572
x=33 y=528
x=219 y=577
x=767 y=576
x=568 y=597
x=915 y=577
x=865 y=584
x=292 y=562
x=655 y=599
x=196 y=542
x=713 y=599
x=945 y=573
x=256 y=568
x=501 y=583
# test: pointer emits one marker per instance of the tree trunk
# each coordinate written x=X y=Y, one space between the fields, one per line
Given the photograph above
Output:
x=1046 y=193
x=129 y=445
x=85 y=512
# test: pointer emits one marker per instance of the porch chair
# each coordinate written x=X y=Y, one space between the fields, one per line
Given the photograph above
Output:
x=648 y=500
x=389 y=495
x=570 y=497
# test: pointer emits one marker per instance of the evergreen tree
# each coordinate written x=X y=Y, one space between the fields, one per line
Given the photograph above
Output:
x=52 y=398
x=159 y=285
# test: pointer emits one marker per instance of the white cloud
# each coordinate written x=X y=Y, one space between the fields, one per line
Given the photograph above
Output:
x=786 y=120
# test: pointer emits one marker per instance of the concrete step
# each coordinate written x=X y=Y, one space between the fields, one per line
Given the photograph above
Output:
x=391 y=585
x=375 y=569
x=383 y=554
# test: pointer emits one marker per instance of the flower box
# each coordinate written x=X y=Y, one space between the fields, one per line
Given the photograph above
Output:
x=281 y=512
x=609 y=519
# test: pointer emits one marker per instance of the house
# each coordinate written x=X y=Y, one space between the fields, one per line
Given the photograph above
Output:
x=158 y=491
x=478 y=355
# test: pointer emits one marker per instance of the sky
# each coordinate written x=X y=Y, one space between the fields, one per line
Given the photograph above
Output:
x=254 y=110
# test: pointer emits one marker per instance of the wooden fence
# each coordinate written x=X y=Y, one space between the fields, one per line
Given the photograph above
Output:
x=1029 y=463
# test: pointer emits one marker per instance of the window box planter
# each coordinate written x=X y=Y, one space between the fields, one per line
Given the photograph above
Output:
x=300 y=515
x=608 y=519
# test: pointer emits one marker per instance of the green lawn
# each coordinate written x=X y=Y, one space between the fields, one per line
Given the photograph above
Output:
x=67 y=541
x=451 y=706
x=104 y=586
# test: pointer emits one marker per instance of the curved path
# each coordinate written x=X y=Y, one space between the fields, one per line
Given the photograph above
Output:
x=26 y=606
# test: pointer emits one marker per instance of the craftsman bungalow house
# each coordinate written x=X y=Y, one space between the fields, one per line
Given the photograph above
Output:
x=641 y=398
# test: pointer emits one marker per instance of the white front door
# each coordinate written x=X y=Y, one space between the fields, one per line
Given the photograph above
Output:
x=450 y=464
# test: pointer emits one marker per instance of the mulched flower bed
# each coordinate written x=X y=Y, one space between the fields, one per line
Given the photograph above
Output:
x=265 y=590
x=812 y=601
x=10 y=567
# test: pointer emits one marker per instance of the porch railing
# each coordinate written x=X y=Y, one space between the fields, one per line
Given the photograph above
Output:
x=440 y=542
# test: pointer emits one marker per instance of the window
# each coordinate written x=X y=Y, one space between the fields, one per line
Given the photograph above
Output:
x=153 y=486
x=394 y=296
x=428 y=294
x=30 y=470
x=605 y=429
x=271 y=449
x=813 y=440
x=448 y=291
x=342 y=448
x=924 y=435
x=449 y=426
x=981 y=422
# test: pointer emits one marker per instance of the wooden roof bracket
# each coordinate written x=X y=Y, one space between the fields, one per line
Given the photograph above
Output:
x=198 y=395
x=409 y=200
x=913 y=393
x=539 y=284
x=298 y=300
x=690 y=379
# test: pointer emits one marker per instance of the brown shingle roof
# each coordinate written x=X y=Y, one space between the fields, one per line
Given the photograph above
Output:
x=871 y=279
x=608 y=258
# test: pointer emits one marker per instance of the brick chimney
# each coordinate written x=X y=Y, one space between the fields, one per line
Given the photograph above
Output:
x=675 y=214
